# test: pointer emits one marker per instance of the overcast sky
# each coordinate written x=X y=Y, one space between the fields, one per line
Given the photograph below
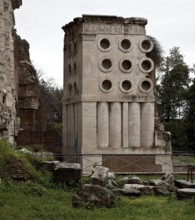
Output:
x=171 y=22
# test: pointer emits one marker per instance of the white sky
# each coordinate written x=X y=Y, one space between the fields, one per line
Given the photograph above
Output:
x=171 y=22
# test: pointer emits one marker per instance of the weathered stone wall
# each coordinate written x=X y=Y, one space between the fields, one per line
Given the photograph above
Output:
x=8 y=93
x=28 y=85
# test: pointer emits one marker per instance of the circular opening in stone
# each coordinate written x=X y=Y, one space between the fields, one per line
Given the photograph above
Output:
x=146 y=85
x=146 y=65
x=105 y=43
x=107 y=63
x=126 y=64
x=126 y=85
x=125 y=44
x=106 y=84
x=146 y=44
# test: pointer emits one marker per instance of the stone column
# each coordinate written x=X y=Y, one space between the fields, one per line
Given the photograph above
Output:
x=125 y=129
x=65 y=130
x=72 y=127
x=115 y=124
x=89 y=127
x=147 y=124
x=102 y=124
x=76 y=127
x=69 y=129
x=134 y=125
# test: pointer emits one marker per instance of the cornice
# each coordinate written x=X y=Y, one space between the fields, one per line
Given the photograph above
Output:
x=104 y=19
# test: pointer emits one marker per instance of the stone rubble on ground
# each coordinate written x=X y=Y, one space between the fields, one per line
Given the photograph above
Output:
x=135 y=180
x=130 y=186
x=186 y=193
x=67 y=172
x=25 y=151
x=50 y=165
x=95 y=195
x=100 y=176
x=184 y=184
x=167 y=178
x=42 y=155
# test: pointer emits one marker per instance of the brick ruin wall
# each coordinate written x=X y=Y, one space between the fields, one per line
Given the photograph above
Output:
x=8 y=95
x=27 y=85
x=19 y=86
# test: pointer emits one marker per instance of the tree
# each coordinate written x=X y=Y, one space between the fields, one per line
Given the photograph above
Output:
x=190 y=115
x=50 y=109
x=174 y=83
x=173 y=101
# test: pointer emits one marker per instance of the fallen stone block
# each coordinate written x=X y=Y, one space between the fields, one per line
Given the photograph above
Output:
x=68 y=165
x=50 y=165
x=186 y=193
x=25 y=151
x=67 y=172
x=132 y=192
x=168 y=178
x=111 y=184
x=111 y=175
x=100 y=176
x=123 y=180
x=133 y=186
x=147 y=190
x=144 y=190
x=95 y=195
x=135 y=180
x=156 y=182
x=43 y=155
x=161 y=190
x=184 y=184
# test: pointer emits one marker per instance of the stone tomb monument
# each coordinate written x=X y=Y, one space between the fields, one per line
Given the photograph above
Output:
x=109 y=97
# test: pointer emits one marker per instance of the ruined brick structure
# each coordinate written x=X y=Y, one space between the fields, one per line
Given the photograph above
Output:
x=28 y=85
x=109 y=96
x=19 y=85
x=9 y=123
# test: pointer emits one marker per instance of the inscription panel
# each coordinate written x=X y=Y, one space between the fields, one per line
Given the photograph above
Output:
x=113 y=29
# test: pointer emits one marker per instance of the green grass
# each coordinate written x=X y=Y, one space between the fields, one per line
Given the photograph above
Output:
x=40 y=198
x=32 y=201
x=183 y=160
